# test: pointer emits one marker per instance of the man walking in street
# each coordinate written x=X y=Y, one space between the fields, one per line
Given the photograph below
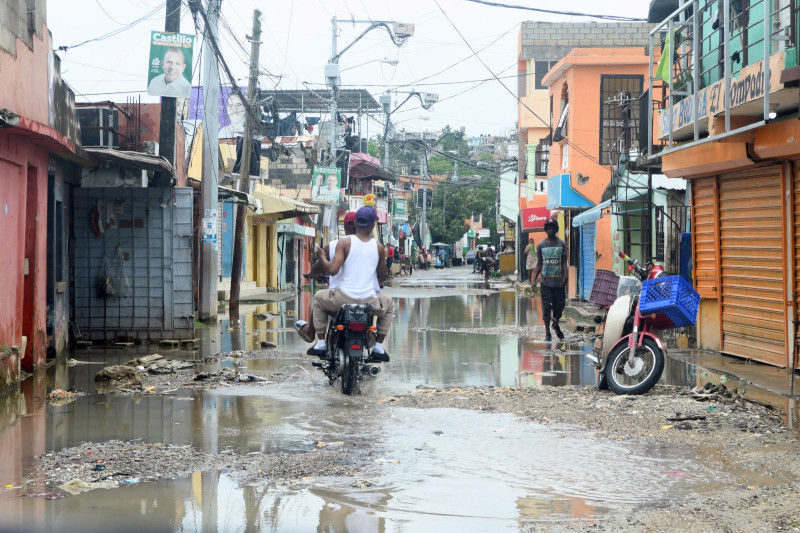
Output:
x=551 y=255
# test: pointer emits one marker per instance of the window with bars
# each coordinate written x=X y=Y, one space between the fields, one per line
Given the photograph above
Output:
x=542 y=158
x=540 y=69
x=619 y=116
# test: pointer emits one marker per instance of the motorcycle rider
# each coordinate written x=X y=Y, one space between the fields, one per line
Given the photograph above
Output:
x=359 y=258
x=551 y=255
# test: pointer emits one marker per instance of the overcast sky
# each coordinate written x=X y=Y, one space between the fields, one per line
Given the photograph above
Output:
x=296 y=44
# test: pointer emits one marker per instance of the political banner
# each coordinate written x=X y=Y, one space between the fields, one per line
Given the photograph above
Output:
x=326 y=185
x=170 y=69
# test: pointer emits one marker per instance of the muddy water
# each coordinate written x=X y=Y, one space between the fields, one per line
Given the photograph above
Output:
x=432 y=470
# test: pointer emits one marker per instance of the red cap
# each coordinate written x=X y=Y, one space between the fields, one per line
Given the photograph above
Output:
x=350 y=218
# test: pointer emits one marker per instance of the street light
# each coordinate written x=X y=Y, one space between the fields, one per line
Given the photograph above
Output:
x=399 y=32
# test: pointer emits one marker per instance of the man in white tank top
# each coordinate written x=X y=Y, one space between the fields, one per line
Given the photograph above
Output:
x=360 y=258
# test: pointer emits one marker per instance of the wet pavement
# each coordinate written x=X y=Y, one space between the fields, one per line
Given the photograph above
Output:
x=430 y=470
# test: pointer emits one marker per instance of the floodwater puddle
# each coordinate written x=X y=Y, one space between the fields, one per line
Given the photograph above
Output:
x=431 y=470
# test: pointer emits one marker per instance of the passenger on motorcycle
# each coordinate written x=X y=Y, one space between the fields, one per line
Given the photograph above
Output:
x=358 y=259
x=306 y=329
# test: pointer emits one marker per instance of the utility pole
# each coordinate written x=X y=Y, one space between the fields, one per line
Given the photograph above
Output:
x=169 y=107
x=333 y=76
x=244 y=168
x=424 y=224
x=210 y=170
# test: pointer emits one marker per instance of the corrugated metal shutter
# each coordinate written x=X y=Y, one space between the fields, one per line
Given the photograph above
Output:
x=751 y=252
x=796 y=233
x=705 y=231
x=588 y=233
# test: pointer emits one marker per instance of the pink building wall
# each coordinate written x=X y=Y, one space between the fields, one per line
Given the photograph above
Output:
x=24 y=157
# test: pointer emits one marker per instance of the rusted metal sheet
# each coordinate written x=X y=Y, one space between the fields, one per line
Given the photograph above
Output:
x=751 y=265
x=704 y=212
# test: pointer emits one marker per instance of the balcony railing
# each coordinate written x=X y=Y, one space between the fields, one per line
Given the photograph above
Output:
x=716 y=58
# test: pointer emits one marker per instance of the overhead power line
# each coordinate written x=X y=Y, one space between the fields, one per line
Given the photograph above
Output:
x=617 y=18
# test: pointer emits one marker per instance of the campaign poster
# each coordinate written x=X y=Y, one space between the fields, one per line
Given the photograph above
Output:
x=231 y=110
x=326 y=185
x=170 y=69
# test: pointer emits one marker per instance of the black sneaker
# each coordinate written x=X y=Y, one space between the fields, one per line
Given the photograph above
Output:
x=558 y=331
x=319 y=352
x=548 y=338
x=376 y=357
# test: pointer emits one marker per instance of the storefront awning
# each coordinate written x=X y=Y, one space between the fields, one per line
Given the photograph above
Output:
x=291 y=228
x=561 y=195
x=226 y=193
x=274 y=203
x=590 y=216
x=366 y=166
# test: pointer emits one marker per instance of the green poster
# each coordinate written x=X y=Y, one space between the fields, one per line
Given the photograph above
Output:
x=170 y=69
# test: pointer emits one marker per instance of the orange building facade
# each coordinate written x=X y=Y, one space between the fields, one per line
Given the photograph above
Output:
x=586 y=88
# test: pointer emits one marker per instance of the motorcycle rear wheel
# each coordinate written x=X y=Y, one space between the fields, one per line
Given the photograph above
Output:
x=624 y=380
x=350 y=376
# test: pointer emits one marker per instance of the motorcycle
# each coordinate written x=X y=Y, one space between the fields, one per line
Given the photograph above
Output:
x=350 y=339
x=630 y=356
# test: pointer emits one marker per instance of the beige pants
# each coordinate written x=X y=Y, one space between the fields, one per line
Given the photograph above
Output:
x=328 y=301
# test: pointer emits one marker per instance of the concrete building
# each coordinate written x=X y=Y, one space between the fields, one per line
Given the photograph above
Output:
x=542 y=45
x=39 y=148
x=728 y=123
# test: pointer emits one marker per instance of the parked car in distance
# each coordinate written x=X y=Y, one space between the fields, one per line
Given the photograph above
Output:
x=470 y=257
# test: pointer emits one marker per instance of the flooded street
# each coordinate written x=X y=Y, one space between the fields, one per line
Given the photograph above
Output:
x=459 y=432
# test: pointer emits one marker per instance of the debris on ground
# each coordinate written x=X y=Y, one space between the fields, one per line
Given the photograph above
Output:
x=228 y=374
x=130 y=462
x=157 y=364
x=76 y=486
x=236 y=354
x=75 y=362
x=63 y=397
x=710 y=391
x=118 y=374
x=266 y=317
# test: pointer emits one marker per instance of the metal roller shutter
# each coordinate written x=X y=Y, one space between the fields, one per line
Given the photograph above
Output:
x=705 y=232
x=796 y=233
x=751 y=255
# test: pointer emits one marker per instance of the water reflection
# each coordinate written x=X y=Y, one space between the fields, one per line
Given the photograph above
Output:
x=441 y=336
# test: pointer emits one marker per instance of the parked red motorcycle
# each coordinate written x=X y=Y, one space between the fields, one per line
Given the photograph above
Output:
x=631 y=355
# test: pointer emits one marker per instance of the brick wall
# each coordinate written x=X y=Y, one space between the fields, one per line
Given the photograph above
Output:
x=551 y=41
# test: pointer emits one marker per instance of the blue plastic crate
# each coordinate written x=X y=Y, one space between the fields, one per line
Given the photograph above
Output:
x=672 y=297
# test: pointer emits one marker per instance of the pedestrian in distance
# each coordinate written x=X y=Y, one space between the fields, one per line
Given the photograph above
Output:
x=551 y=256
x=530 y=258
x=389 y=259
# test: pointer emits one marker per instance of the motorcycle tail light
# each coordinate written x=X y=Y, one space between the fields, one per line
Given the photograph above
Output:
x=355 y=347
x=340 y=327
x=357 y=326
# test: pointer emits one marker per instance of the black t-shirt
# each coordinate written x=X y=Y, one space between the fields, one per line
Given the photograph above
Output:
x=553 y=258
